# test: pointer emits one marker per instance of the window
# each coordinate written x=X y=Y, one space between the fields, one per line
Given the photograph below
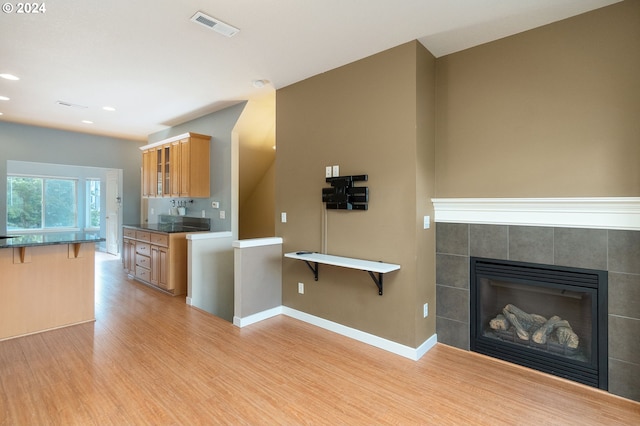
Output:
x=93 y=203
x=41 y=203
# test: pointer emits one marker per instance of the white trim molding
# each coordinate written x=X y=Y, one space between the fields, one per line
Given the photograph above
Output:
x=260 y=316
x=361 y=336
x=598 y=213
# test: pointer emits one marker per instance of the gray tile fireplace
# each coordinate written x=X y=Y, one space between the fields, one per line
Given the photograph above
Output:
x=612 y=250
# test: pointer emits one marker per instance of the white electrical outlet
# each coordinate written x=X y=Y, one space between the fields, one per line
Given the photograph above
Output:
x=425 y=310
x=153 y=211
x=327 y=171
x=222 y=214
x=427 y=222
x=301 y=288
x=336 y=171
x=283 y=217
x=203 y=213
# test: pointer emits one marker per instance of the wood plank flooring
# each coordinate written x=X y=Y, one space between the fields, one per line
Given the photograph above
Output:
x=151 y=359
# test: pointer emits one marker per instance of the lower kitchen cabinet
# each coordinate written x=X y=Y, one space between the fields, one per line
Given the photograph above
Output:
x=160 y=270
x=157 y=259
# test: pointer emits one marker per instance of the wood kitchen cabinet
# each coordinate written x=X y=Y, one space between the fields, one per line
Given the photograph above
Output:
x=156 y=258
x=177 y=167
x=146 y=173
x=129 y=251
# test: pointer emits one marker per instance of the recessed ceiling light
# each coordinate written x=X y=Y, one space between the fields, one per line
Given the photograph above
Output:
x=3 y=98
x=9 y=77
x=258 y=84
x=69 y=104
x=108 y=108
x=1 y=113
x=87 y=121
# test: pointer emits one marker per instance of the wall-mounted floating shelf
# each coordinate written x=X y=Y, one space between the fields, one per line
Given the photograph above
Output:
x=369 y=266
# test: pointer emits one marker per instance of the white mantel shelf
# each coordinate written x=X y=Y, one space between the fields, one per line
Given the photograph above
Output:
x=345 y=262
x=596 y=212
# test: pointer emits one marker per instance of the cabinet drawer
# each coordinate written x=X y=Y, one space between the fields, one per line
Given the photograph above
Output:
x=142 y=235
x=143 y=249
x=143 y=273
x=143 y=261
x=130 y=233
x=160 y=239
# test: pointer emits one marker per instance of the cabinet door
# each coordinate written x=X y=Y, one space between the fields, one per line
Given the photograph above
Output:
x=185 y=166
x=155 y=260
x=129 y=255
x=145 y=173
x=166 y=170
x=175 y=169
x=160 y=267
x=198 y=170
x=163 y=268
x=158 y=174
x=126 y=256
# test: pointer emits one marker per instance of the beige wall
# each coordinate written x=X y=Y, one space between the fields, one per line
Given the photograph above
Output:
x=256 y=211
x=552 y=112
x=364 y=118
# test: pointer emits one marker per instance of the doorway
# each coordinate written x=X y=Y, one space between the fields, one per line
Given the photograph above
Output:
x=112 y=214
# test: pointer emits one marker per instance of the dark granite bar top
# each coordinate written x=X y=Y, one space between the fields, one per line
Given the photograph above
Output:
x=174 y=224
x=169 y=228
x=48 y=239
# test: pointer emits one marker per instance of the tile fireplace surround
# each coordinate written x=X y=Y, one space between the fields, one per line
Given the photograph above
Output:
x=594 y=233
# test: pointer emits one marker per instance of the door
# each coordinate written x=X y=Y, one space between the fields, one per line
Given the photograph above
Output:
x=112 y=213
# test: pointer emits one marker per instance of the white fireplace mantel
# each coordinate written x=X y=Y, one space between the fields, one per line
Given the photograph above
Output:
x=597 y=212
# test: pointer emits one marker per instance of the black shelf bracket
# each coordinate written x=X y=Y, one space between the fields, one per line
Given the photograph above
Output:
x=377 y=280
x=314 y=270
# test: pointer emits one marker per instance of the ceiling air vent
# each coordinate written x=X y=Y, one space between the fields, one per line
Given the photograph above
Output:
x=215 y=24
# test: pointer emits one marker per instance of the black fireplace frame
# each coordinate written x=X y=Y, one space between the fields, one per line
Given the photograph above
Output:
x=593 y=373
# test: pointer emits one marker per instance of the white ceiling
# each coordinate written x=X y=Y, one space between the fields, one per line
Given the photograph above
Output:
x=157 y=68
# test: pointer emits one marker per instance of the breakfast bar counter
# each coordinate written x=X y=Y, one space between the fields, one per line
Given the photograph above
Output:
x=47 y=282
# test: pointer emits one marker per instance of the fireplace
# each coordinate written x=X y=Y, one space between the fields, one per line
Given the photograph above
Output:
x=546 y=317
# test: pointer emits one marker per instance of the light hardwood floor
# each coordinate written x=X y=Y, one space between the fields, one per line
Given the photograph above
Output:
x=151 y=359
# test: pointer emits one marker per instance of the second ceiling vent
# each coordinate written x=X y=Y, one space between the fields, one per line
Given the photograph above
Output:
x=215 y=24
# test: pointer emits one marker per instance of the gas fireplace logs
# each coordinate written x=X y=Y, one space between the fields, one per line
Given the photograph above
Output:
x=535 y=327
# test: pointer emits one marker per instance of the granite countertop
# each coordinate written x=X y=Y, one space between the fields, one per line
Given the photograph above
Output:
x=49 y=238
x=168 y=228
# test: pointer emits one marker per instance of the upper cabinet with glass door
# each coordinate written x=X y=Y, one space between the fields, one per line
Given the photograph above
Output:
x=177 y=167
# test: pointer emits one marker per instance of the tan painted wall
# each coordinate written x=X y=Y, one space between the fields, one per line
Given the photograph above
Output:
x=256 y=217
x=364 y=118
x=552 y=112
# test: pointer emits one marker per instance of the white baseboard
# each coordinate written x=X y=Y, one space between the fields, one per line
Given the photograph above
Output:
x=251 y=319
x=361 y=336
x=370 y=339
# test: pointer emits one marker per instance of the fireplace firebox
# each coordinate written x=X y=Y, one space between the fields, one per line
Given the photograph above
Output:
x=546 y=317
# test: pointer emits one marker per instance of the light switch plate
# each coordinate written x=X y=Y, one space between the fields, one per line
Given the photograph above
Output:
x=327 y=171
x=427 y=222
x=283 y=217
x=336 y=171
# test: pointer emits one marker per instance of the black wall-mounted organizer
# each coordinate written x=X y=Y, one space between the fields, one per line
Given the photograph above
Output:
x=343 y=195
